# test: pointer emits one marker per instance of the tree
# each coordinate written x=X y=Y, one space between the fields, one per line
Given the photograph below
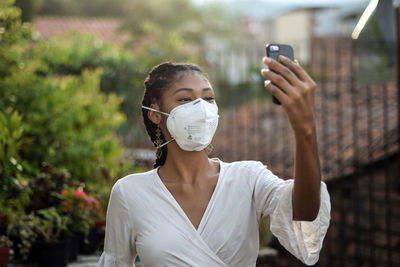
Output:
x=98 y=8
x=47 y=116
x=176 y=29
x=28 y=8
x=162 y=30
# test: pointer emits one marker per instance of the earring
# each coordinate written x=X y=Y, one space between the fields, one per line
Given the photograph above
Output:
x=158 y=142
x=158 y=153
x=209 y=149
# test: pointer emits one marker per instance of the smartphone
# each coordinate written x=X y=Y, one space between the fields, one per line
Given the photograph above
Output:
x=273 y=51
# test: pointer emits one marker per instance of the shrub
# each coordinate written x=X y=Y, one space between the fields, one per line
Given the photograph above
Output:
x=81 y=209
x=56 y=126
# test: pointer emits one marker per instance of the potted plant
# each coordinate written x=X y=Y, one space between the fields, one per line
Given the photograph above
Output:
x=52 y=249
x=46 y=187
x=23 y=236
x=75 y=206
x=83 y=212
x=92 y=243
x=102 y=195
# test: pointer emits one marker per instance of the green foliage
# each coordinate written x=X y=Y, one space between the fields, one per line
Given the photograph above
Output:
x=68 y=121
x=29 y=8
x=46 y=186
x=176 y=30
x=11 y=130
x=83 y=7
x=372 y=60
x=21 y=231
x=82 y=210
x=71 y=55
x=265 y=233
x=161 y=29
x=56 y=126
x=233 y=95
x=5 y=242
x=50 y=225
x=13 y=37
x=122 y=73
x=11 y=142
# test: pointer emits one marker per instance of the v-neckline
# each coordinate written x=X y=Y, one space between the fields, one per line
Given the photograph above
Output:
x=209 y=204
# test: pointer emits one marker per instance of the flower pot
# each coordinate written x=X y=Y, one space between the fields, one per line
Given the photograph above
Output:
x=100 y=225
x=53 y=254
x=73 y=248
x=4 y=252
x=17 y=253
x=93 y=242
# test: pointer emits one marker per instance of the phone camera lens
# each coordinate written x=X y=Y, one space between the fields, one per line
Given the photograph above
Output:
x=274 y=48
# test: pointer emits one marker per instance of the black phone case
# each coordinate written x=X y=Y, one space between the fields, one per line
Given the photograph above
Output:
x=285 y=50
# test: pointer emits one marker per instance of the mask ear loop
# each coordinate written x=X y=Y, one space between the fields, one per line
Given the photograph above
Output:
x=152 y=109
x=166 y=143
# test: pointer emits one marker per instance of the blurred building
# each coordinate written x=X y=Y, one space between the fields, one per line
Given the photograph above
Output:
x=299 y=27
x=106 y=29
x=358 y=135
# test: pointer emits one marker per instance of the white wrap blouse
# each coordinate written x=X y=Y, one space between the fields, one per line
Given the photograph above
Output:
x=144 y=219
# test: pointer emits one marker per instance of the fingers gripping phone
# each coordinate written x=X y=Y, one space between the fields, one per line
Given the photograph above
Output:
x=273 y=51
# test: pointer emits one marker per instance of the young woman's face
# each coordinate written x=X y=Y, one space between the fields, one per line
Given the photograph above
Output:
x=190 y=86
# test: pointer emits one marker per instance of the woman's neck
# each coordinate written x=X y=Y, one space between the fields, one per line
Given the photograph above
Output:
x=189 y=167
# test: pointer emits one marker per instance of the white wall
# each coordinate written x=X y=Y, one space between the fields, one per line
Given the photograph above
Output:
x=295 y=28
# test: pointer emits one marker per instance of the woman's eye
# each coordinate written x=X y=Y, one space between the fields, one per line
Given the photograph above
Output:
x=185 y=99
x=209 y=98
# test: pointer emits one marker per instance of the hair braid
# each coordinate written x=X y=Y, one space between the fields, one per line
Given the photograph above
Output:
x=156 y=83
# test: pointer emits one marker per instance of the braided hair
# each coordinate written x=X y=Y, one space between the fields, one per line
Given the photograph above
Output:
x=156 y=83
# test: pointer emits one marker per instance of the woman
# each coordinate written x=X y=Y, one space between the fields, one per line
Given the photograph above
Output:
x=191 y=210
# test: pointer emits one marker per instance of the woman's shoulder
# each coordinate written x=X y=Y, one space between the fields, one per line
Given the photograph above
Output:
x=242 y=175
x=135 y=179
x=244 y=165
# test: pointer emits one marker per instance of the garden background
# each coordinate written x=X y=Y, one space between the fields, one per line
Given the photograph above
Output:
x=70 y=120
x=69 y=110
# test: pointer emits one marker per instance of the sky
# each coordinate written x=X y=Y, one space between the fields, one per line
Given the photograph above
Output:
x=271 y=8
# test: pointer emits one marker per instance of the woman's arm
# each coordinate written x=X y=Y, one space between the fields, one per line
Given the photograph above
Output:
x=295 y=89
x=306 y=191
x=119 y=246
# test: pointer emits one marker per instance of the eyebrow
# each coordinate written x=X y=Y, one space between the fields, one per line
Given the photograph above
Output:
x=190 y=89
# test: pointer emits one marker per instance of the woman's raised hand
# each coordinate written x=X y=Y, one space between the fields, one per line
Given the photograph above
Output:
x=295 y=89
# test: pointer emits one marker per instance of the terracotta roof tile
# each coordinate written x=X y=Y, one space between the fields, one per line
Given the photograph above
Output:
x=107 y=29
x=261 y=131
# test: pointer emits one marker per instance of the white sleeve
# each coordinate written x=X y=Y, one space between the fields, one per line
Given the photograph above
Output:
x=119 y=246
x=273 y=197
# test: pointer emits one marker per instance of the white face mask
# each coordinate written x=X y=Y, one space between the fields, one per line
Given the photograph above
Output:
x=192 y=125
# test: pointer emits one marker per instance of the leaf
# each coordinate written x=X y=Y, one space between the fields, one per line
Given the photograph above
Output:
x=13 y=161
